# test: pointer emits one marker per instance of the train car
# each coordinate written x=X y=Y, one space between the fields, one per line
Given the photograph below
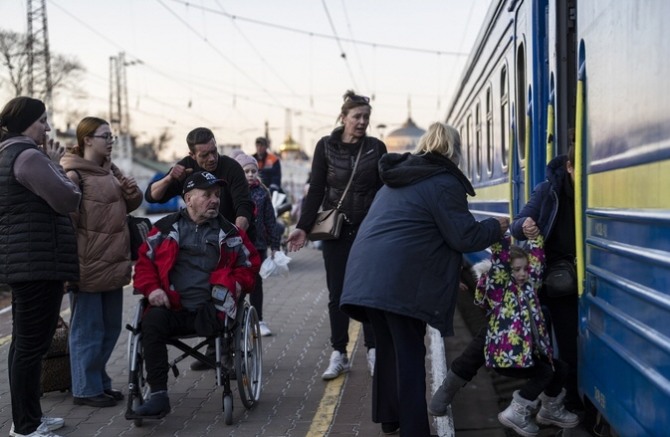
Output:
x=539 y=70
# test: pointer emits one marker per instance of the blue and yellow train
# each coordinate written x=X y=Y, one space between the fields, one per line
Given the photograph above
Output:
x=539 y=70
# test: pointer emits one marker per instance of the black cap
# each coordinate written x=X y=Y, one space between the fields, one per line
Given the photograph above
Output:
x=262 y=141
x=201 y=180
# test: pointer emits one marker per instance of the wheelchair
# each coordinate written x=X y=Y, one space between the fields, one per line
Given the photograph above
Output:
x=239 y=343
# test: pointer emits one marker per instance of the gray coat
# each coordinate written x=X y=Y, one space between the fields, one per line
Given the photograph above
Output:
x=408 y=252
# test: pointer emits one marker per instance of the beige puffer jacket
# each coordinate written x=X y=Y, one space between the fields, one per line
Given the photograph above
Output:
x=103 y=240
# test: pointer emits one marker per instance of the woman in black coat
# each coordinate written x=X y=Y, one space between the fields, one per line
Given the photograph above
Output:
x=403 y=270
x=332 y=166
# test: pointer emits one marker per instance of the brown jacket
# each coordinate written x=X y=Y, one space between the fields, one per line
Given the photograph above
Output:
x=102 y=233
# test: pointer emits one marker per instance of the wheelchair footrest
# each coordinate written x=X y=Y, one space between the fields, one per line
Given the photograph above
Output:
x=131 y=415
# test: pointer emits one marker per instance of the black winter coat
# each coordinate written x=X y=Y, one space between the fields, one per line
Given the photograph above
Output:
x=408 y=252
x=331 y=168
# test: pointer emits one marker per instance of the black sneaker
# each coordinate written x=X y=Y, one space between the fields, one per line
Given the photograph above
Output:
x=390 y=427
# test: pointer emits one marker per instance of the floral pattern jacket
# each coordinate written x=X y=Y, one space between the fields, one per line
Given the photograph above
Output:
x=516 y=327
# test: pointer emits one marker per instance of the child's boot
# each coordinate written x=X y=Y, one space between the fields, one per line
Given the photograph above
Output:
x=518 y=416
x=445 y=394
x=553 y=412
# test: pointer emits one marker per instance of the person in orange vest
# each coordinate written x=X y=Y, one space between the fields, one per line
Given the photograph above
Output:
x=269 y=165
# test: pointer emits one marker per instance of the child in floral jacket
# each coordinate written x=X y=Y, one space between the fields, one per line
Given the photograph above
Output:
x=517 y=343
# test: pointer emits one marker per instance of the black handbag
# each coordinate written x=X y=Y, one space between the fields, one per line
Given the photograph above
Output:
x=328 y=223
x=139 y=228
x=561 y=279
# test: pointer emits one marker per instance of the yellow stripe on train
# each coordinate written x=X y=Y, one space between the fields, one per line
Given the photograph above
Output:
x=642 y=186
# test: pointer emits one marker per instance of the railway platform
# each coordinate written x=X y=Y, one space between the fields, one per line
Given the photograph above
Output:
x=295 y=400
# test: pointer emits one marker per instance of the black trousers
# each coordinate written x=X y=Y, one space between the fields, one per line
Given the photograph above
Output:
x=471 y=359
x=158 y=325
x=256 y=297
x=563 y=312
x=399 y=382
x=335 y=255
x=541 y=378
x=35 y=309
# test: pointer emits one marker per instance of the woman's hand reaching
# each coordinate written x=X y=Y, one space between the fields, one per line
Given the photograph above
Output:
x=296 y=240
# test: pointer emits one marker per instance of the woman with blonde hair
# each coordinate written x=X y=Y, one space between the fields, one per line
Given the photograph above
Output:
x=103 y=244
x=403 y=269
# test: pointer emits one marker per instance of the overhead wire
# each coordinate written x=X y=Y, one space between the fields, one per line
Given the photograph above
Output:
x=326 y=36
x=355 y=46
x=343 y=54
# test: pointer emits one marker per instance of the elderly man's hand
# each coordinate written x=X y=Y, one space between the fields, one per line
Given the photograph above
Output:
x=158 y=298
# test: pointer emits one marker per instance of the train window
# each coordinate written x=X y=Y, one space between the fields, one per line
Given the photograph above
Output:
x=463 y=163
x=504 y=117
x=468 y=146
x=478 y=142
x=521 y=101
x=489 y=133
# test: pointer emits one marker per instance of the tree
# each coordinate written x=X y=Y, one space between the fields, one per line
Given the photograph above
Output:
x=65 y=71
x=153 y=149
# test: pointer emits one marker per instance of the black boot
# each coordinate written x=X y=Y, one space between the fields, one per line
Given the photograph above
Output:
x=157 y=406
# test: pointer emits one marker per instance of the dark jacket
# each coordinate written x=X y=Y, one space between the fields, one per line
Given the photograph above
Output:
x=551 y=206
x=235 y=199
x=407 y=256
x=36 y=243
x=331 y=168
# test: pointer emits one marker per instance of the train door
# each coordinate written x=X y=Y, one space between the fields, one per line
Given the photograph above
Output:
x=519 y=82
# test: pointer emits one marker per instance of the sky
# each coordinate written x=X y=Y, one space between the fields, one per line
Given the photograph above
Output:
x=233 y=65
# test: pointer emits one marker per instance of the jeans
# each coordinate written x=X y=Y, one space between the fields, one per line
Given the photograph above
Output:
x=399 y=381
x=35 y=309
x=335 y=255
x=94 y=330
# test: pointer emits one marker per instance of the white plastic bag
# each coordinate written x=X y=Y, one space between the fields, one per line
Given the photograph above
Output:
x=275 y=267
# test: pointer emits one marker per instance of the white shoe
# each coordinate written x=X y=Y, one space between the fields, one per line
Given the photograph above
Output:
x=265 y=331
x=339 y=363
x=372 y=356
x=47 y=425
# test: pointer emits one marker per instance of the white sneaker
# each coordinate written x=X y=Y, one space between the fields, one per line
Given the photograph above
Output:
x=339 y=363
x=48 y=424
x=265 y=331
x=372 y=356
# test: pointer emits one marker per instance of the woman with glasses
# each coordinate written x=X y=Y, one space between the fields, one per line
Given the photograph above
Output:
x=334 y=158
x=104 y=256
x=39 y=252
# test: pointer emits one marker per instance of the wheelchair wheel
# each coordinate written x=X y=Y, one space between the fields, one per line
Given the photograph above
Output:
x=228 y=409
x=249 y=358
x=137 y=386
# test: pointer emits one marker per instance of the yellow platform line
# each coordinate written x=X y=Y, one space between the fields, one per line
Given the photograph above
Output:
x=323 y=418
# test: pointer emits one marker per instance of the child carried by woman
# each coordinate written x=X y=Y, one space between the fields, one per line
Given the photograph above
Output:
x=517 y=343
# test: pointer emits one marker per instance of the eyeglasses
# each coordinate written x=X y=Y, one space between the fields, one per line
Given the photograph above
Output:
x=359 y=99
x=107 y=137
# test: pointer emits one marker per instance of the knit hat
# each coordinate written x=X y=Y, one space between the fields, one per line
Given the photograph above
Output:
x=20 y=113
x=245 y=160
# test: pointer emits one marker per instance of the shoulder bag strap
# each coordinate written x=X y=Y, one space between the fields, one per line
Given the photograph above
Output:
x=351 y=178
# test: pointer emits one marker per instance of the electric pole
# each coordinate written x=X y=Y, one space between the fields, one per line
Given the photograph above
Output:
x=119 y=115
x=39 y=58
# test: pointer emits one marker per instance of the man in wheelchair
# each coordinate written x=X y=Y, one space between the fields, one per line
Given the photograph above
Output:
x=188 y=256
